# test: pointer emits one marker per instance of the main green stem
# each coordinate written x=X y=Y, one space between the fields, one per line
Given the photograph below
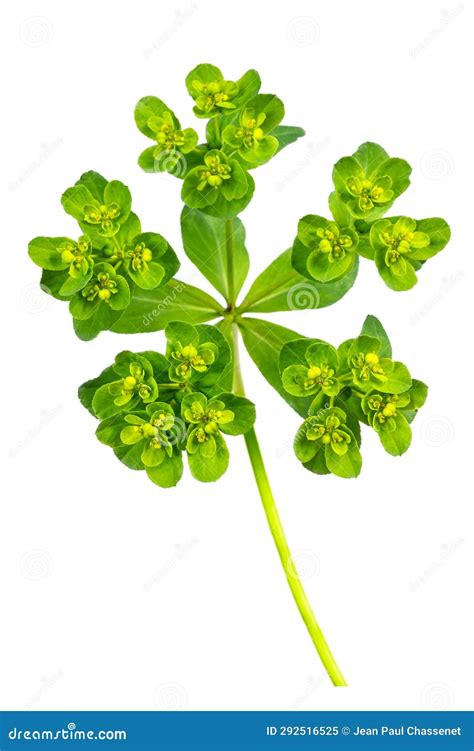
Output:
x=268 y=500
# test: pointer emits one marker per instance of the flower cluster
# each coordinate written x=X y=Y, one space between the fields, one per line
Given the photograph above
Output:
x=98 y=272
x=242 y=133
x=338 y=389
x=154 y=408
x=366 y=185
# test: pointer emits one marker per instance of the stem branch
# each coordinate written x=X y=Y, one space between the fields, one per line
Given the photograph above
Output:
x=278 y=534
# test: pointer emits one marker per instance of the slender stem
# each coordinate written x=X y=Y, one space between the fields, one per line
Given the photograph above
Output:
x=278 y=534
x=229 y=248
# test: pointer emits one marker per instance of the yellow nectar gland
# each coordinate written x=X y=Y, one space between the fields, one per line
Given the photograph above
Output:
x=371 y=358
x=314 y=372
x=129 y=383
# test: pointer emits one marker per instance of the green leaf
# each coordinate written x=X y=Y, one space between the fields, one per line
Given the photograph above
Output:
x=286 y=134
x=169 y=472
x=349 y=464
x=102 y=318
x=397 y=441
x=151 y=106
x=439 y=233
x=280 y=287
x=45 y=252
x=87 y=390
x=264 y=341
x=210 y=468
x=205 y=241
x=370 y=156
x=152 y=310
x=244 y=414
x=398 y=380
x=373 y=327
x=75 y=199
x=95 y=184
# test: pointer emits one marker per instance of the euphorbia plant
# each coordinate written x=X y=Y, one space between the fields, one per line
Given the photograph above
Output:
x=157 y=408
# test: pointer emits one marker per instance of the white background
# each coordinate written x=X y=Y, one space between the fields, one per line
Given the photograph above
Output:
x=118 y=595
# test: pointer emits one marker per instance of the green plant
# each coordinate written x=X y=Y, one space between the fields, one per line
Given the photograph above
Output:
x=156 y=408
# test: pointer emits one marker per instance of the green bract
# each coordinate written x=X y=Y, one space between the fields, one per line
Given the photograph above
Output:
x=218 y=186
x=98 y=273
x=323 y=250
x=155 y=120
x=155 y=408
x=251 y=138
x=367 y=184
x=213 y=95
x=369 y=181
x=402 y=245
x=358 y=382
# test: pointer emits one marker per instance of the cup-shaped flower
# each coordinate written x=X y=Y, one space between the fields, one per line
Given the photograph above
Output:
x=99 y=206
x=191 y=359
x=158 y=122
x=324 y=443
x=207 y=418
x=135 y=387
x=323 y=250
x=105 y=288
x=390 y=415
x=153 y=434
x=318 y=375
x=213 y=95
x=369 y=181
x=218 y=184
x=371 y=371
x=401 y=245
x=251 y=138
x=73 y=260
